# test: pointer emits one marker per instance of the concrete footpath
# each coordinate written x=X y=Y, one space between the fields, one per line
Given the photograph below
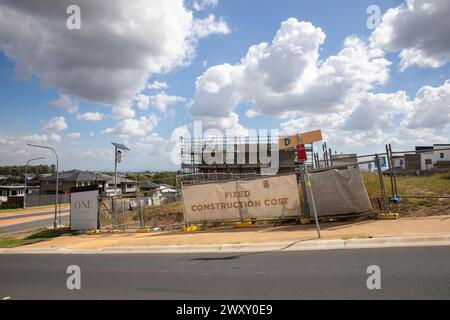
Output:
x=428 y=231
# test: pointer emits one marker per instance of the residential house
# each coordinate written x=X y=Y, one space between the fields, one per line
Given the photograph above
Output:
x=435 y=157
x=125 y=186
x=71 y=179
x=148 y=187
x=16 y=191
x=398 y=163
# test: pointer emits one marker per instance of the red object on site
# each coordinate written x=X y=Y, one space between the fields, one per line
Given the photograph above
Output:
x=301 y=152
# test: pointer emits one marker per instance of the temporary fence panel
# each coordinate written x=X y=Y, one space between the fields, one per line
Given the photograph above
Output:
x=338 y=192
x=271 y=197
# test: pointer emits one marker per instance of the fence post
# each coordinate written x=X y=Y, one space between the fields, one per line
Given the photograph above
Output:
x=383 y=190
x=389 y=163
x=393 y=172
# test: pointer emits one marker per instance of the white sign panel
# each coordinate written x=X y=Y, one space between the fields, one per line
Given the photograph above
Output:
x=271 y=197
x=84 y=210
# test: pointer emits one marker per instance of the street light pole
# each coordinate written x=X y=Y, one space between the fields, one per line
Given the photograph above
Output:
x=26 y=174
x=118 y=148
x=55 y=222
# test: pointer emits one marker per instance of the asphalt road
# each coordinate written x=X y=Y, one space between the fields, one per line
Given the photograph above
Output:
x=31 y=225
x=406 y=273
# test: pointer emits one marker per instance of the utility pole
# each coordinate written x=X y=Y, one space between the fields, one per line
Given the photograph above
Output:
x=118 y=148
x=26 y=174
x=56 y=224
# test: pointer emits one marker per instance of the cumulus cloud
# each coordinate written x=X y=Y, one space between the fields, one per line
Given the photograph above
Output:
x=52 y=137
x=385 y=117
x=430 y=108
x=5 y=140
x=286 y=77
x=110 y=59
x=56 y=124
x=64 y=103
x=205 y=27
x=162 y=101
x=74 y=135
x=157 y=85
x=91 y=116
x=200 y=5
x=134 y=127
x=419 y=31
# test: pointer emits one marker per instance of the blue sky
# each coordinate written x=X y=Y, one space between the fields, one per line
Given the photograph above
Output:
x=236 y=26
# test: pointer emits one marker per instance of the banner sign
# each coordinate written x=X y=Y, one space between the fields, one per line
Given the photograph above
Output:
x=271 y=197
x=288 y=142
x=84 y=210
x=311 y=136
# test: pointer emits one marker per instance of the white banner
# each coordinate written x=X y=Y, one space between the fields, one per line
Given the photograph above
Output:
x=84 y=210
x=271 y=197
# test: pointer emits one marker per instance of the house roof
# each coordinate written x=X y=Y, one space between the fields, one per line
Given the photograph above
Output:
x=110 y=179
x=148 y=185
x=167 y=186
x=76 y=175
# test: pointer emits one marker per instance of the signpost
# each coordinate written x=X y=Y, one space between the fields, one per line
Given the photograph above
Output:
x=301 y=153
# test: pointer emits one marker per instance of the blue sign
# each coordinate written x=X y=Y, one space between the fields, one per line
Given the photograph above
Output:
x=383 y=162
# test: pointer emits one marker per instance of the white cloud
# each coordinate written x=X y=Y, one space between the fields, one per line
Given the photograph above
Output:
x=64 y=103
x=285 y=77
x=52 y=137
x=123 y=112
x=56 y=124
x=419 y=30
x=142 y=101
x=74 y=135
x=5 y=140
x=161 y=101
x=377 y=111
x=200 y=5
x=251 y=113
x=134 y=127
x=430 y=108
x=203 y=28
x=91 y=116
x=157 y=85
x=110 y=59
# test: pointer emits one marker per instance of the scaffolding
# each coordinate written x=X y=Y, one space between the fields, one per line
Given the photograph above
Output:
x=250 y=147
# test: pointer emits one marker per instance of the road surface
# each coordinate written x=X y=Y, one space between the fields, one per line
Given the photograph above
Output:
x=406 y=273
x=30 y=219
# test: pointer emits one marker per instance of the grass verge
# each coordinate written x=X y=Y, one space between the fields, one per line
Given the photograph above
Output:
x=21 y=239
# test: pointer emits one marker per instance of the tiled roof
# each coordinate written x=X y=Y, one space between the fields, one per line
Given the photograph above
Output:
x=76 y=175
x=148 y=185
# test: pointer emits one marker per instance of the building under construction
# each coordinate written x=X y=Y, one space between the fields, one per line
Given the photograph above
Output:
x=240 y=155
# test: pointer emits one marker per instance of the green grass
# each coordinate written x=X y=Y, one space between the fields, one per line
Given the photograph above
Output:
x=435 y=185
x=11 y=241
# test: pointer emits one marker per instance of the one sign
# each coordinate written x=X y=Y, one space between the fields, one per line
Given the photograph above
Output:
x=84 y=210
x=301 y=152
x=272 y=197
x=288 y=142
x=311 y=136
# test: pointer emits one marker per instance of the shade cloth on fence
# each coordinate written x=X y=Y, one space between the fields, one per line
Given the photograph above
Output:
x=339 y=192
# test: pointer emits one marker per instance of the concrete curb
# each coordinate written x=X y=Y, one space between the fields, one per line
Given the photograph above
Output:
x=338 y=244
